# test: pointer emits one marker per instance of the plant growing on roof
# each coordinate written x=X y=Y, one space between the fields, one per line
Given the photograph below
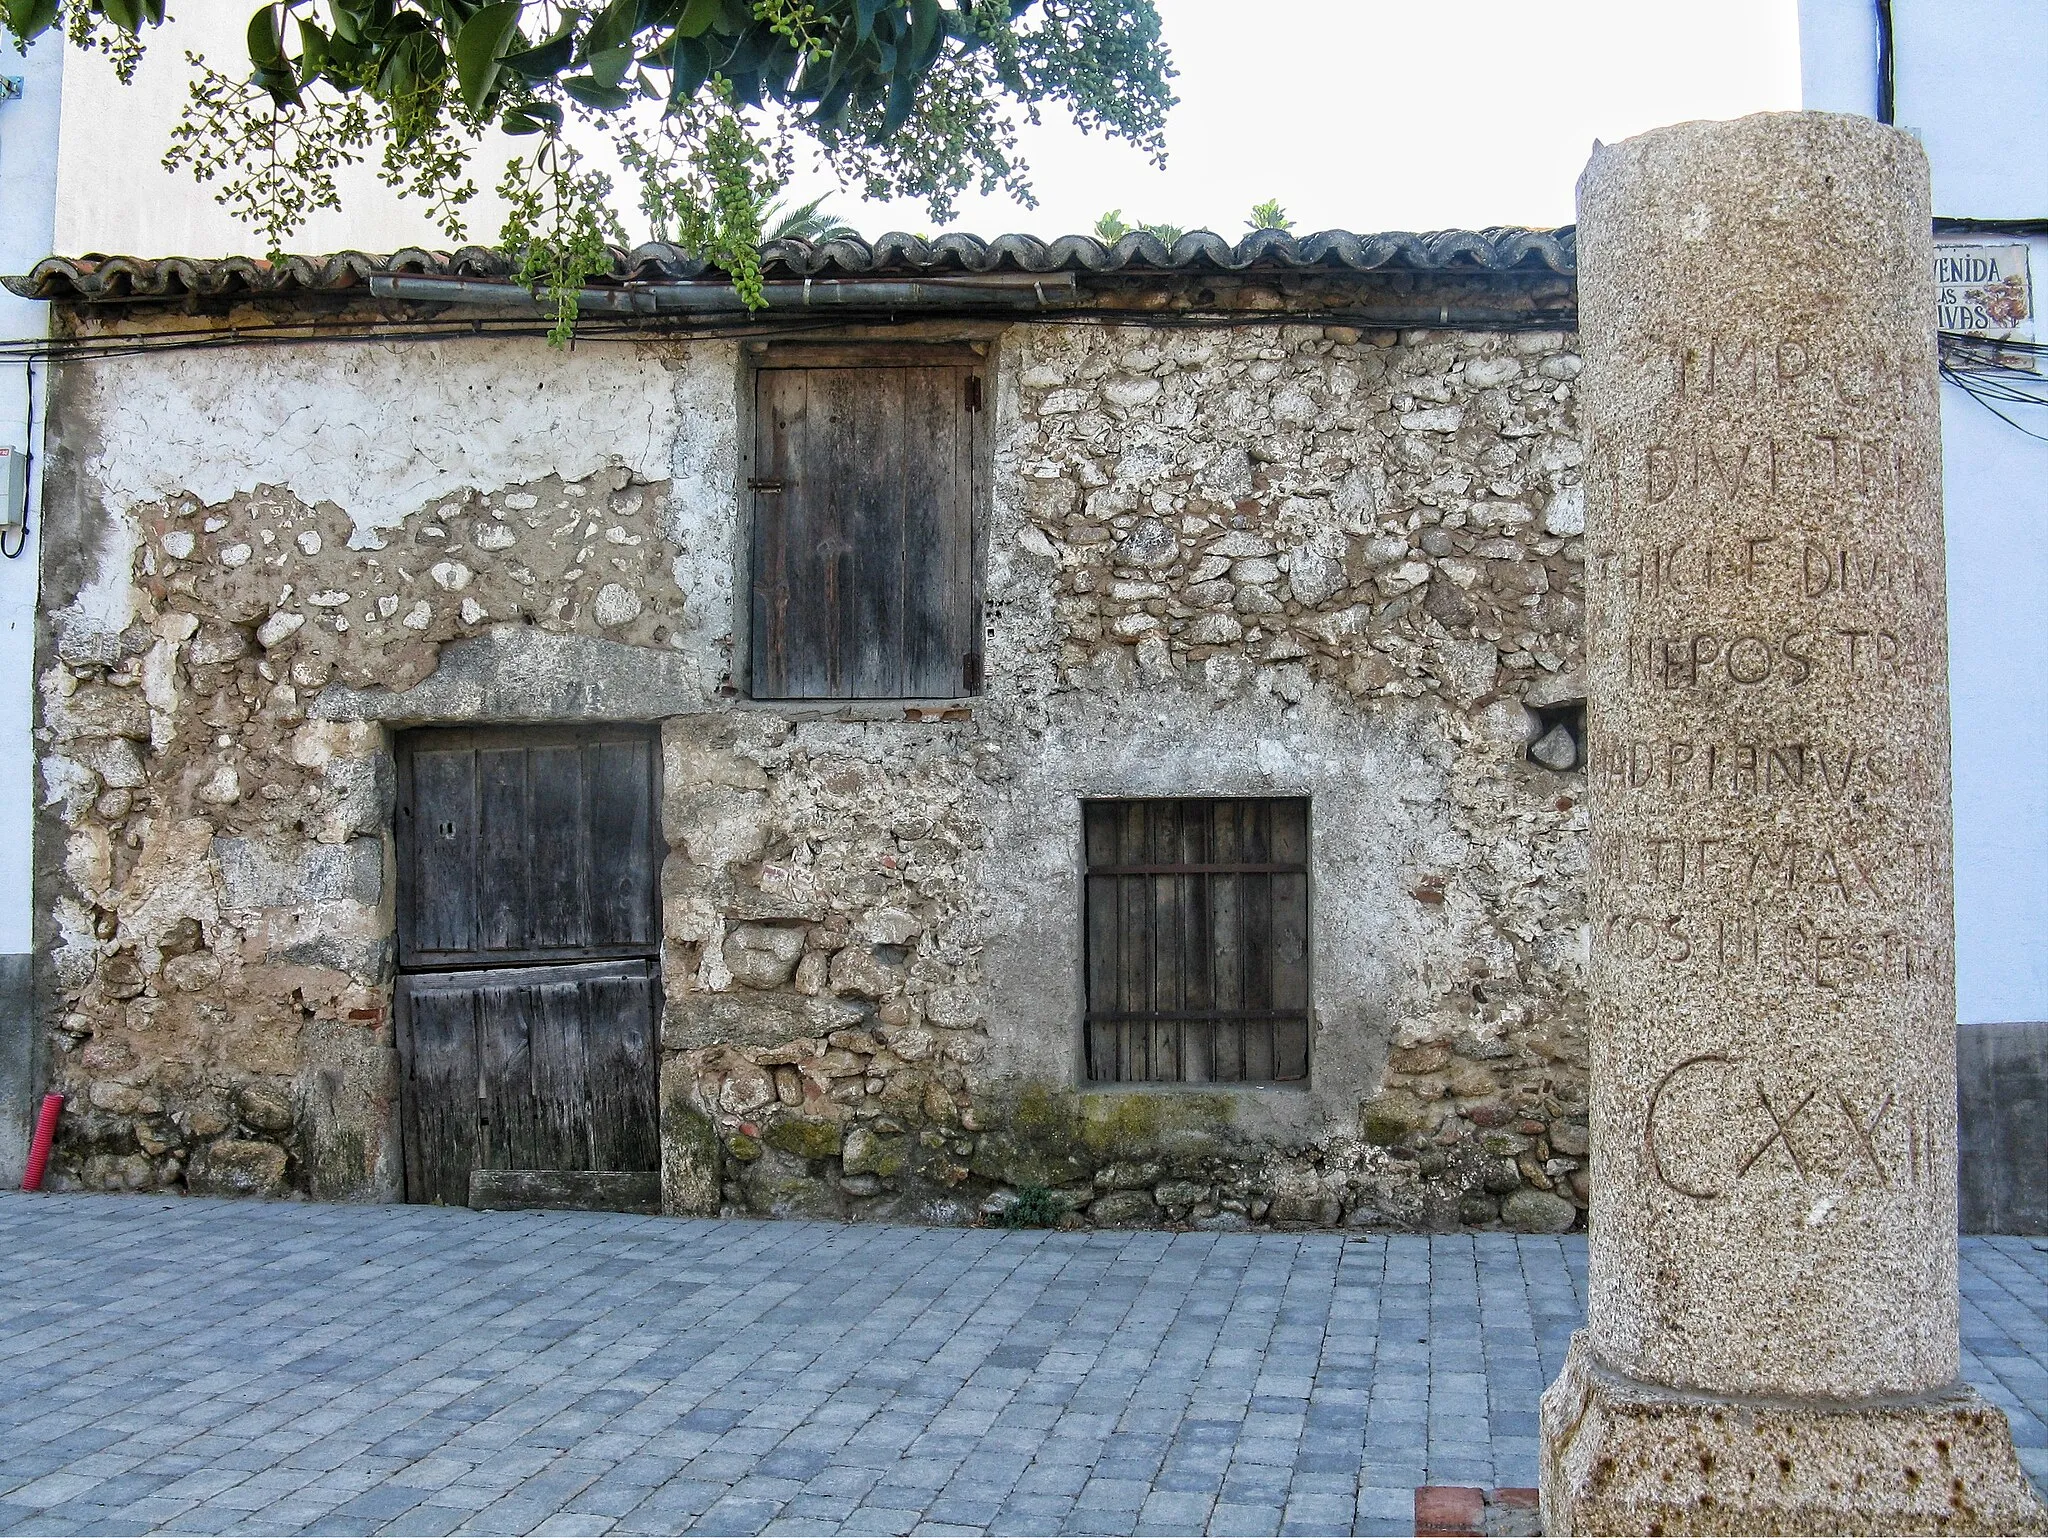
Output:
x=705 y=99
x=1111 y=227
x=810 y=221
x=1269 y=215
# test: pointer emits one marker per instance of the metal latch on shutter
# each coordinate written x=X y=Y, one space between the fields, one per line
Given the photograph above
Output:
x=762 y=483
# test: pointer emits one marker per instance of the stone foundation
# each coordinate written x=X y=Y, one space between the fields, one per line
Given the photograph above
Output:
x=1626 y=1457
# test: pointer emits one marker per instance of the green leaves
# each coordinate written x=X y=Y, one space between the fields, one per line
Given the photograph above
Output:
x=689 y=65
x=546 y=58
x=927 y=28
x=533 y=118
x=479 y=47
x=130 y=16
x=414 y=67
x=1269 y=215
x=698 y=17
x=314 y=47
x=272 y=71
x=613 y=29
x=266 y=37
x=871 y=69
x=29 y=19
x=917 y=98
x=595 y=94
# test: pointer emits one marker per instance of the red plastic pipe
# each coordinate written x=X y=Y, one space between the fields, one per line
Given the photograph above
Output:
x=39 y=1147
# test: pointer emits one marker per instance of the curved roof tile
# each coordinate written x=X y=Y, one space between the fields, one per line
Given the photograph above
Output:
x=98 y=278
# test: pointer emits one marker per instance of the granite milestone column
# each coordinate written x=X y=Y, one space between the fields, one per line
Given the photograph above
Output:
x=1773 y=1336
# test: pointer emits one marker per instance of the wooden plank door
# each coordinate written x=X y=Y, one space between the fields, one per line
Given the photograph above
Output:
x=526 y=1069
x=520 y=845
x=863 y=549
x=528 y=938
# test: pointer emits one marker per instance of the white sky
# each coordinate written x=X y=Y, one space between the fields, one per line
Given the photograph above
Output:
x=1396 y=114
x=1359 y=114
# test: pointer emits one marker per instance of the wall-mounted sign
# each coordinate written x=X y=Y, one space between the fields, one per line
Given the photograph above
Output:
x=1985 y=291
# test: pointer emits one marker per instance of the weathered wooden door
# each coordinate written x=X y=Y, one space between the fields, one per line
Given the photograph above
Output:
x=528 y=944
x=863 y=578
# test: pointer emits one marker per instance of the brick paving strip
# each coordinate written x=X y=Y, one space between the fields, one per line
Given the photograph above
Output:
x=215 y=1367
x=1459 y=1511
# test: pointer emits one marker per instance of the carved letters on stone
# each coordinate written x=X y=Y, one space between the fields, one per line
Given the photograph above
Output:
x=1717 y=1120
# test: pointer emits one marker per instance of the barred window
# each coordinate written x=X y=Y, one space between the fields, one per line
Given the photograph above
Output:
x=1197 y=940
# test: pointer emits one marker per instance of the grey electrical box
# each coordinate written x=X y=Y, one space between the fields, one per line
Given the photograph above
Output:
x=13 y=488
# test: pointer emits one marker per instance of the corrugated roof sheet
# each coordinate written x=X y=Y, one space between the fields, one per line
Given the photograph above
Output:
x=89 y=279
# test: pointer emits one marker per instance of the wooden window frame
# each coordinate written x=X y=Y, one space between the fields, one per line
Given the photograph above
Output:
x=1256 y=1044
x=976 y=352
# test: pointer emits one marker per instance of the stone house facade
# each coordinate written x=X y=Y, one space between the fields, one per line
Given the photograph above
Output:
x=1280 y=536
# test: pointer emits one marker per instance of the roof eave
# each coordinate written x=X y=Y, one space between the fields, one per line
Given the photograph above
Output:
x=95 y=279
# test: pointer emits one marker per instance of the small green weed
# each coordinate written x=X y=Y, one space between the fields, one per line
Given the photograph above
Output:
x=1035 y=1207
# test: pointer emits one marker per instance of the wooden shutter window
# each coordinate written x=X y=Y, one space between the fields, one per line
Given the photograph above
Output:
x=863 y=533
x=1197 y=940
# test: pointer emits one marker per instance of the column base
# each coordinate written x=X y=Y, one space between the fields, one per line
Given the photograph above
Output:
x=1625 y=1457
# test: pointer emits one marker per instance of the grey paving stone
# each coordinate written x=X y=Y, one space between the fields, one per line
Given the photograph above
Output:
x=1181 y=1511
x=1106 y=1522
x=585 y=1372
x=881 y=1520
x=420 y=1522
x=1236 y=1520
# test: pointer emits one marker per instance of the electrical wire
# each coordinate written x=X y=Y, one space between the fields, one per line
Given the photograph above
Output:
x=1887 y=64
x=284 y=333
x=1973 y=363
x=1980 y=367
x=311 y=332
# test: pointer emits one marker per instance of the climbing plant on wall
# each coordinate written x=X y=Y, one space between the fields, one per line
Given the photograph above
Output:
x=706 y=101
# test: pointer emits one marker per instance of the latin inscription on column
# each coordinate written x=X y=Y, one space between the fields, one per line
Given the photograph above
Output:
x=1772 y=944
x=1771 y=1341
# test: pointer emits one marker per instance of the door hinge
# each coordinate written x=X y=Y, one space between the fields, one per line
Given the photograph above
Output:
x=970 y=670
x=974 y=392
x=764 y=483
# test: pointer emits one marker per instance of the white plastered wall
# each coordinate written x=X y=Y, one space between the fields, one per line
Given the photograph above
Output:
x=1995 y=481
x=1971 y=79
x=28 y=196
x=115 y=196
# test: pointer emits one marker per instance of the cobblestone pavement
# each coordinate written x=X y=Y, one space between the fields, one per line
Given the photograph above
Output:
x=211 y=1367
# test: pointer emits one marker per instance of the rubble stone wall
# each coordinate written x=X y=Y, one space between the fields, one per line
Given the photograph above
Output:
x=1276 y=559
x=230 y=540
